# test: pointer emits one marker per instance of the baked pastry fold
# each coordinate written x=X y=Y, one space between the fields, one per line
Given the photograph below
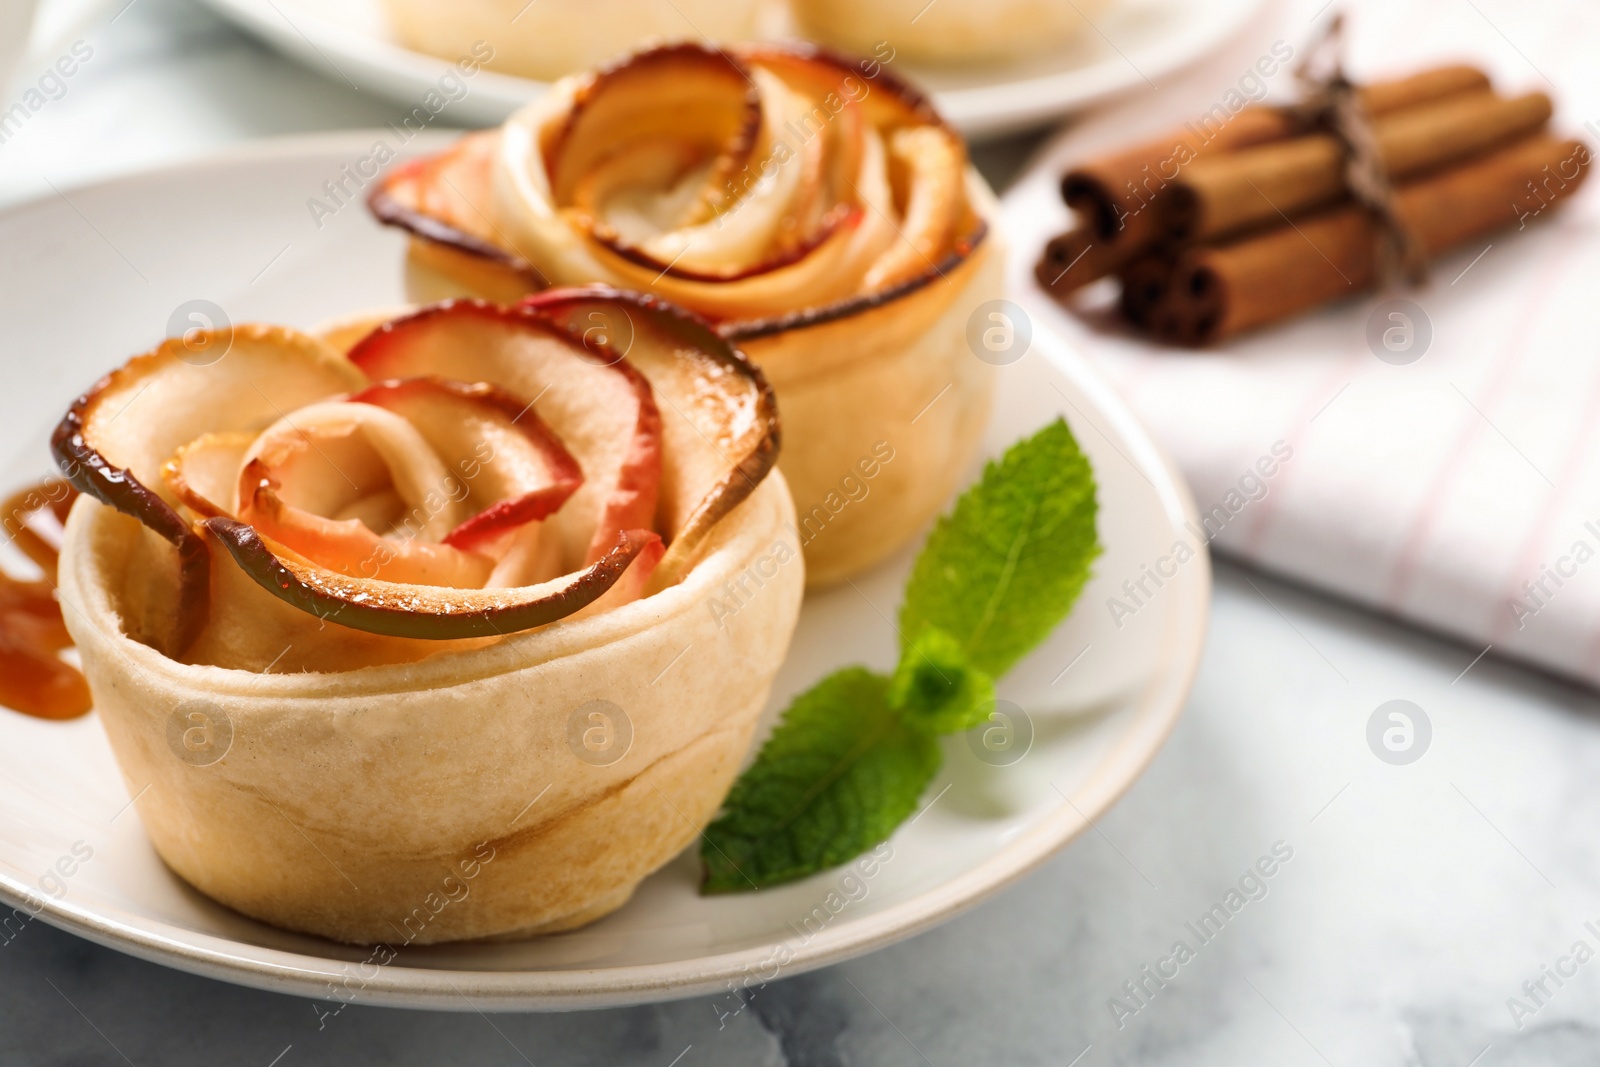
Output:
x=819 y=212
x=389 y=656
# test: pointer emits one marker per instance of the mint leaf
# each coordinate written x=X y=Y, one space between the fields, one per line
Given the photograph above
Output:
x=841 y=771
x=1003 y=569
x=852 y=756
x=937 y=689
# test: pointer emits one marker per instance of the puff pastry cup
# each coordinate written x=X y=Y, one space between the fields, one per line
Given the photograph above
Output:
x=816 y=210
x=430 y=640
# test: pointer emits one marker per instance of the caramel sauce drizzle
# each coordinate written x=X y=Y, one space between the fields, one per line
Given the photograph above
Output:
x=34 y=679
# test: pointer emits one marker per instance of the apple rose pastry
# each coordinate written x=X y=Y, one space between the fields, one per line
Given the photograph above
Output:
x=818 y=212
x=418 y=643
x=548 y=38
x=947 y=31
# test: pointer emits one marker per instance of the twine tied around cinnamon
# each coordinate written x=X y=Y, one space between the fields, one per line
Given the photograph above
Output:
x=1330 y=102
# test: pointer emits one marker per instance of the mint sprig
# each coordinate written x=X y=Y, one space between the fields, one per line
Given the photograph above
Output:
x=1001 y=570
x=854 y=754
x=937 y=688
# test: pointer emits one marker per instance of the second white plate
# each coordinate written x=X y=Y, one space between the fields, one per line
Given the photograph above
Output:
x=1134 y=43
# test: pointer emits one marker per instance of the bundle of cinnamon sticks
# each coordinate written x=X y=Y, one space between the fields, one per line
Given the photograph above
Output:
x=1218 y=228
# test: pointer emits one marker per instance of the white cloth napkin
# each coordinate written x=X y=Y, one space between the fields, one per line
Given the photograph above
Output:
x=1460 y=491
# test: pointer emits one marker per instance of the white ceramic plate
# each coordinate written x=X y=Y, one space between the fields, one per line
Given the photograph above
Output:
x=1133 y=43
x=95 y=276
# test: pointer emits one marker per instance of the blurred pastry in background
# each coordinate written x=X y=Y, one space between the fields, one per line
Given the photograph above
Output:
x=947 y=31
x=546 y=39
x=818 y=212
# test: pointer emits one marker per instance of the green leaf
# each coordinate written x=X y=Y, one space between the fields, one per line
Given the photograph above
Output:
x=853 y=755
x=841 y=771
x=937 y=689
x=1003 y=569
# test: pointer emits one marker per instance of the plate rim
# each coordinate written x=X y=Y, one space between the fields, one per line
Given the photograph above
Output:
x=991 y=109
x=1157 y=709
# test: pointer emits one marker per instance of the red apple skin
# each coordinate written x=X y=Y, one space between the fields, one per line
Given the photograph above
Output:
x=666 y=330
x=632 y=503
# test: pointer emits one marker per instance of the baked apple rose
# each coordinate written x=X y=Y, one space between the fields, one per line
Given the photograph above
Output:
x=818 y=211
x=347 y=614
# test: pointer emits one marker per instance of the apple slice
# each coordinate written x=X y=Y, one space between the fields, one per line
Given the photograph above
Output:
x=358 y=489
x=931 y=167
x=425 y=612
x=721 y=431
x=704 y=93
x=446 y=198
x=204 y=474
x=406 y=481
x=642 y=189
x=599 y=406
x=731 y=243
x=508 y=462
x=350 y=547
x=634 y=583
x=454 y=185
x=820 y=268
x=115 y=439
x=774 y=221
x=890 y=103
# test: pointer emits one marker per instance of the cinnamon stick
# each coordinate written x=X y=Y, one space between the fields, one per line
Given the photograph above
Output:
x=1078 y=257
x=1227 y=194
x=1436 y=83
x=1145 y=284
x=1110 y=193
x=1214 y=292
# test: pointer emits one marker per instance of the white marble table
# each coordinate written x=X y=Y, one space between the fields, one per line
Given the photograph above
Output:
x=1416 y=901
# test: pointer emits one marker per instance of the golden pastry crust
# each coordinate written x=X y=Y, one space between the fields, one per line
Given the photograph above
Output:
x=347 y=801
